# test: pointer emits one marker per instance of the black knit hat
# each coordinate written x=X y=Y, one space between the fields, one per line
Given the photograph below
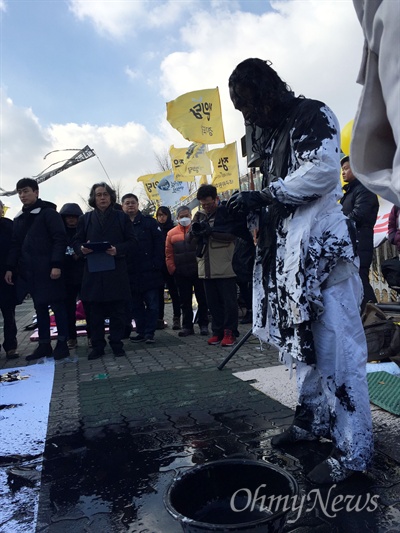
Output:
x=345 y=159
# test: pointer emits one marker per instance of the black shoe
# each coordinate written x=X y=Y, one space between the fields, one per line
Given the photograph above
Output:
x=329 y=472
x=186 y=333
x=12 y=354
x=204 y=331
x=95 y=354
x=119 y=353
x=176 y=323
x=150 y=339
x=43 y=350
x=61 y=351
x=161 y=324
x=137 y=338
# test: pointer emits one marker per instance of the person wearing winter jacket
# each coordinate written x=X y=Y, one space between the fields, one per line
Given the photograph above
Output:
x=7 y=292
x=73 y=269
x=105 y=284
x=164 y=219
x=35 y=262
x=361 y=206
x=181 y=262
x=145 y=270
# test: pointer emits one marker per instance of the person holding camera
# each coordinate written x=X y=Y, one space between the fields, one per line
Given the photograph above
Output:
x=212 y=228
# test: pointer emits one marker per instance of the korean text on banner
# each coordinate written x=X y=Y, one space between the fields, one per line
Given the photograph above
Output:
x=197 y=116
x=226 y=172
x=189 y=162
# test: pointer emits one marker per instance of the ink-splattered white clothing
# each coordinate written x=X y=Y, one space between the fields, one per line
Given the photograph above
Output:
x=310 y=274
x=311 y=242
x=334 y=391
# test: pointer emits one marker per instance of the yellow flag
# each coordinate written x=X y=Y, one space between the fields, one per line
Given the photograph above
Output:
x=226 y=172
x=150 y=182
x=189 y=162
x=197 y=116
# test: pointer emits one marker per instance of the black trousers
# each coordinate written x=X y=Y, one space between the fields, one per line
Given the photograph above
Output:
x=116 y=312
x=221 y=297
x=169 y=281
x=185 y=288
x=9 y=326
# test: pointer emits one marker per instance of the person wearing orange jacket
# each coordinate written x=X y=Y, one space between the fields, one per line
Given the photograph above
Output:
x=180 y=258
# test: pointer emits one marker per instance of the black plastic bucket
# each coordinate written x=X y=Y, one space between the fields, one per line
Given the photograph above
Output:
x=232 y=495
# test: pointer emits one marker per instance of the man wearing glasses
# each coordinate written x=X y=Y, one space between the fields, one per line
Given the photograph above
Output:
x=212 y=229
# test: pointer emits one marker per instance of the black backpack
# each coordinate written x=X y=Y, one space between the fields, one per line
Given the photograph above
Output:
x=391 y=272
x=382 y=334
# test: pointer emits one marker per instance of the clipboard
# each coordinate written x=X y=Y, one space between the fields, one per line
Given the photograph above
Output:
x=100 y=262
x=100 y=246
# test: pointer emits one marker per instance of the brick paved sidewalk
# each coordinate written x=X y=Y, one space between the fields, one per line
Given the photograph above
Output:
x=120 y=429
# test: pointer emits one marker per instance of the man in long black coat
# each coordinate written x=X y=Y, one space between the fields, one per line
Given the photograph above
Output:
x=145 y=270
x=35 y=261
x=361 y=206
x=105 y=287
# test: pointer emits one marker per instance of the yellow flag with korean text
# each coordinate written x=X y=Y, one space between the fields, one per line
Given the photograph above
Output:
x=150 y=182
x=197 y=116
x=189 y=162
x=226 y=171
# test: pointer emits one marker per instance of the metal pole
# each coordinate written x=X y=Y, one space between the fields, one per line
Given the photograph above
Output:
x=235 y=349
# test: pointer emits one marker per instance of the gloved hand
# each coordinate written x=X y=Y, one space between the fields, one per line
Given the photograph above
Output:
x=246 y=201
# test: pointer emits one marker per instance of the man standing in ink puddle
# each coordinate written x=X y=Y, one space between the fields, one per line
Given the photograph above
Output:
x=307 y=290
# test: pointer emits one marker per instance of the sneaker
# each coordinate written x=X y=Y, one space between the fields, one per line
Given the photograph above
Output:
x=186 y=333
x=95 y=354
x=72 y=343
x=12 y=354
x=150 y=340
x=204 y=331
x=61 y=351
x=329 y=472
x=42 y=350
x=215 y=339
x=176 y=323
x=137 y=338
x=229 y=338
x=290 y=435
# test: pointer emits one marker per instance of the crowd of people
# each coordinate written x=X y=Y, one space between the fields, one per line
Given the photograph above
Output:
x=117 y=263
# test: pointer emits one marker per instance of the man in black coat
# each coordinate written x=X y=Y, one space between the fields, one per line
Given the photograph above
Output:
x=105 y=284
x=145 y=270
x=7 y=292
x=361 y=206
x=35 y=261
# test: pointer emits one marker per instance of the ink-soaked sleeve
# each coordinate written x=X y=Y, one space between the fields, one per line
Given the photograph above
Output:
x=314 y=168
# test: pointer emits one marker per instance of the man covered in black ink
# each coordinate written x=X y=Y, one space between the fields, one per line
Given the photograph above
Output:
x=307 y=290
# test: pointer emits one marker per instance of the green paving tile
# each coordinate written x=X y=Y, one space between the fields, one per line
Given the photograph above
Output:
x=384 y=391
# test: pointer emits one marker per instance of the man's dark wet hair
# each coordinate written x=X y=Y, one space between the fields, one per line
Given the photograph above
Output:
x=204 y=191
x=27 y=182
x=258 y=75
x=129 y=195
x=92 y=194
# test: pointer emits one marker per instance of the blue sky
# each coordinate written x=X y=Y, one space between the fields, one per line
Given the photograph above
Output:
x=77 y=72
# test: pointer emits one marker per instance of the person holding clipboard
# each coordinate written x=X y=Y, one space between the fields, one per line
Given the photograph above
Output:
x=104 y=236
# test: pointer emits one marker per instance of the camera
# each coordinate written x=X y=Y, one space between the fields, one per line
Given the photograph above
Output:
x=201 y=229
